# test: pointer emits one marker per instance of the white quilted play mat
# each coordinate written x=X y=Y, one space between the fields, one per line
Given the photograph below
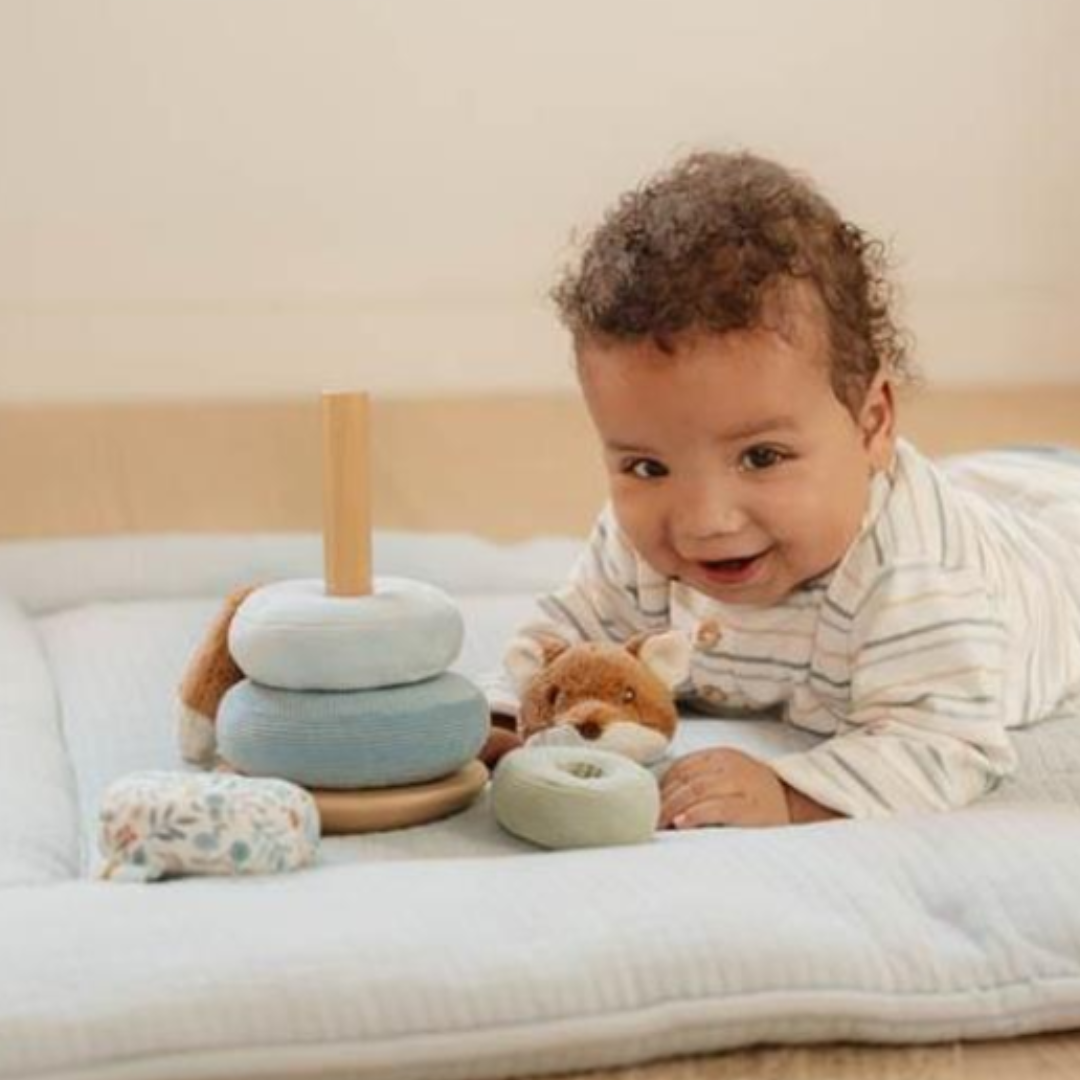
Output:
x=453 y=950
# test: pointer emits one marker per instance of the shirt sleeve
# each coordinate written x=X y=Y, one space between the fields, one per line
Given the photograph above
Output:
x=926 y=730
x=610 y=595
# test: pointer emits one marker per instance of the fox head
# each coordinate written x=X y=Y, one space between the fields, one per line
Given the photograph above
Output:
x=614 y=697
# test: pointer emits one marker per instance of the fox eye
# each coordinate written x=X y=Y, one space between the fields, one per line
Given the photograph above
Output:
x=553 y=695
x=629 y=695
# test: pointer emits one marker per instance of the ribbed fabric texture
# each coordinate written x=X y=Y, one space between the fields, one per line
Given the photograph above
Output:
x=368 y=738
x=571 y=797
x=963 y=926
x=292 y=636
x=39 y=819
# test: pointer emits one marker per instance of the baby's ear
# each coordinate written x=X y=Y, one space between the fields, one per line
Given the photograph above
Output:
x=666 y=655
x=528 y=655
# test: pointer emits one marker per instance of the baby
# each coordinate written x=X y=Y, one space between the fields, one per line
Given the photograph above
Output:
x=737 y=355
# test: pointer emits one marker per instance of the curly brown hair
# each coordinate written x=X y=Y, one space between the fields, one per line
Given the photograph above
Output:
x=711 y=244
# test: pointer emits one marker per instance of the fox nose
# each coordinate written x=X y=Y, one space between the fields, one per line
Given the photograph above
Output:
x=590 y=730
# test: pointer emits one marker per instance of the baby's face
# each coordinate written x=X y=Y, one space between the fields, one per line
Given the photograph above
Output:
x=733 y=467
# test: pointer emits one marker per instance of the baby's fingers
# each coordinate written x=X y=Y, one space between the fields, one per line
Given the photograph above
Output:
x=685 y=769
x=679 y=798
x=701 y=764
x=713 y=810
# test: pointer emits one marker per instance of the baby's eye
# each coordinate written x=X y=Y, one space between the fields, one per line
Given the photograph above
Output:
x=644 y=468
x=761 y=457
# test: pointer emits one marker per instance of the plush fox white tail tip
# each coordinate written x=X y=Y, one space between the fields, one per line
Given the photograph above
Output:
x=198 y=737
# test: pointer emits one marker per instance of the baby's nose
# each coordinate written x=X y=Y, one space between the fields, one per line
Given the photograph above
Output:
x=715 y=512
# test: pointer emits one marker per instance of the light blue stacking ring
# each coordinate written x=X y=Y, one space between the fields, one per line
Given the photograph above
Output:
x=371 y=738
x=573 y=797
x=293 y=636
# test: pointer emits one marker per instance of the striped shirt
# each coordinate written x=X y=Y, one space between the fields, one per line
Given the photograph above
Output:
x=953 y=616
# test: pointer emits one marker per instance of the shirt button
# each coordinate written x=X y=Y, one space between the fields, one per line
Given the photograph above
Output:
x=707 y=633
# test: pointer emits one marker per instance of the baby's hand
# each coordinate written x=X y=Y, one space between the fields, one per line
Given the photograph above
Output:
x=721 y=787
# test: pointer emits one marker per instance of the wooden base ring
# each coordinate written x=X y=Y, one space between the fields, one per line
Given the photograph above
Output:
x=381 y=809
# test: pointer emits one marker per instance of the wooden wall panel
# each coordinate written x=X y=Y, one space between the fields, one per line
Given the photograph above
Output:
x=503 y=467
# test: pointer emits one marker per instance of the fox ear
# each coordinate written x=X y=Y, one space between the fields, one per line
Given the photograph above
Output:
x=528 y=655
x=666 y=655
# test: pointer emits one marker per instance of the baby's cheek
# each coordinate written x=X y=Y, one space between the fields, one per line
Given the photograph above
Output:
x=645 y=526
x=816 y=528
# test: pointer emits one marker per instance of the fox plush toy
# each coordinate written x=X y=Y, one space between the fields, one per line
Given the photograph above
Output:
x=612 y=697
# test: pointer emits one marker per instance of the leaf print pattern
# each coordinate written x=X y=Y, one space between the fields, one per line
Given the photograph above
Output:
x=155 y=825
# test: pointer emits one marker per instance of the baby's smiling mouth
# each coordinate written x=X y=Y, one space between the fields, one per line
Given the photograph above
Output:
x=733 y=571
x=730 y=564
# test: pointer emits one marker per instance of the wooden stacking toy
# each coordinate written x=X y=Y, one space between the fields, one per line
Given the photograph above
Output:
x=347 y=690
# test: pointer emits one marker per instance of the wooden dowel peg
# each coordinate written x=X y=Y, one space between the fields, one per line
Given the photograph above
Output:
x=346 y=494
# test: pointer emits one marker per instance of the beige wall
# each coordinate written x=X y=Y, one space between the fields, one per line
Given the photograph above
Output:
x=265 y=197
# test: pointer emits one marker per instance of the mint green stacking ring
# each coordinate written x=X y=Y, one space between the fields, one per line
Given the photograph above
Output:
x=573 y=797
x=363 y=739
